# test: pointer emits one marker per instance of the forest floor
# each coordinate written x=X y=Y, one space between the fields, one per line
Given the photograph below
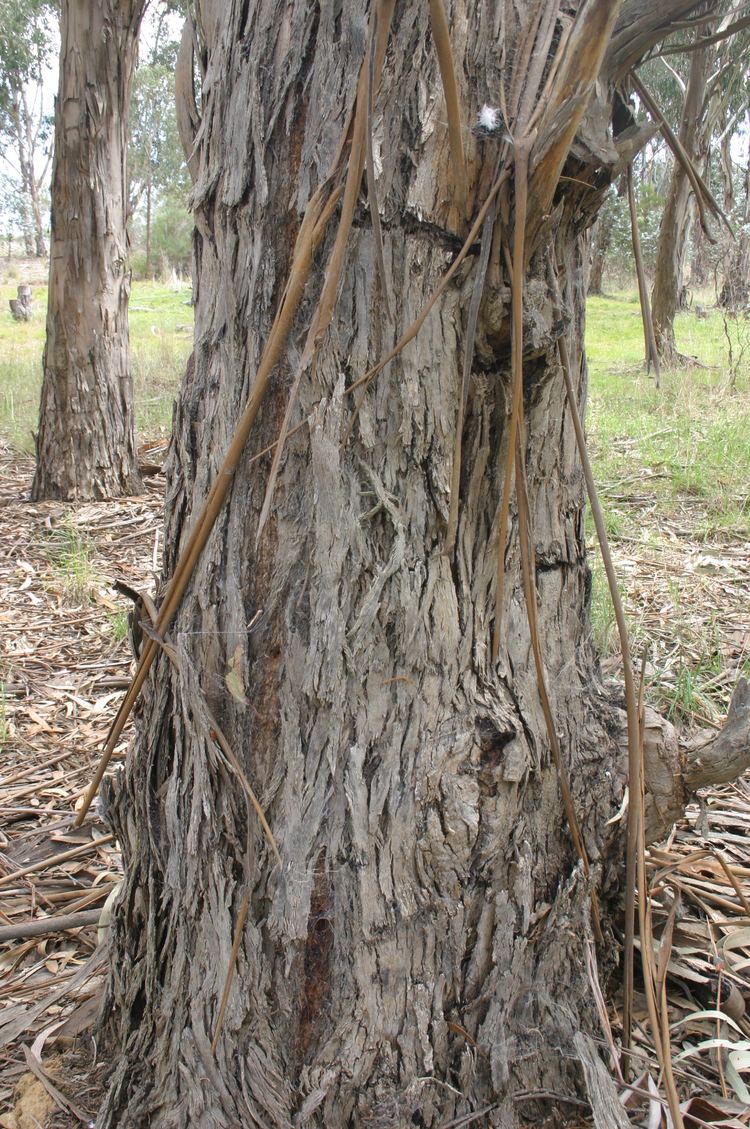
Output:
x=674 y=472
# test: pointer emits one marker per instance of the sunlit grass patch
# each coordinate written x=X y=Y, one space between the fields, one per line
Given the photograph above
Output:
x=161 y=333
x=673 y=469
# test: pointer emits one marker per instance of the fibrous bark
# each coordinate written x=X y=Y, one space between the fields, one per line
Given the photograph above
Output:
x=86 y=439
x=418 y=954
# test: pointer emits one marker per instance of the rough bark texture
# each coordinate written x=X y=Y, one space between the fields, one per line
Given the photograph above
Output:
x=420 y=953
x=667 y=293
x=86 y=440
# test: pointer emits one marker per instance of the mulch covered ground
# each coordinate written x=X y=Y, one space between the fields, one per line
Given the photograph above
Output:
x=64 y=663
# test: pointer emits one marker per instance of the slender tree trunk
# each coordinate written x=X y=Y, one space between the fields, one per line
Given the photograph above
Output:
x=86 y=440
x=667 y=294
x=148 y=227
x=699 y=264
x=601 y=241
x=40 y=246
x=25 y=171
x=420 y=952
x=735 y=291
x=652 y=353
x=27 y=232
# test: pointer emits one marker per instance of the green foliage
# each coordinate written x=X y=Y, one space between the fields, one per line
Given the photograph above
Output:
x=159 y=181
x=119 y=622
x=615 y=216
x=172 y=234
x=155 y=157
x=25 y=46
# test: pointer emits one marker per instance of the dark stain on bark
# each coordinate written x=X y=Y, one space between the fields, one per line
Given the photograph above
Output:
x=317 y=961
x=492 y=741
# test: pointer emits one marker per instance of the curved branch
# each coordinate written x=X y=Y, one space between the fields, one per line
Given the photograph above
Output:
x=674 y=771
x=641 y=25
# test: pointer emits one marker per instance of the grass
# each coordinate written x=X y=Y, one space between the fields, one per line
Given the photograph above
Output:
x=161 y=322
x=673 y=470
x=71 y=556
x=119 y=622
x=668 y=462
x=688 y=440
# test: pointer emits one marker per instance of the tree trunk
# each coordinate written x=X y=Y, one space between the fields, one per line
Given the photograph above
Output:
x=148 y=226
x=18 y=130
x=699 y=265
x=601 y=240
x=32 y=188
x=86 y=441
x=735 y=290
x=667 y=296
x=419 y=954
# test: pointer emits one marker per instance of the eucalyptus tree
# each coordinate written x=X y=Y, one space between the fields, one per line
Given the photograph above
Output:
x=26 y=38
x=156 y=164
x=735 y=289
x=369 y=818
x=715 y=89
x=86 y=440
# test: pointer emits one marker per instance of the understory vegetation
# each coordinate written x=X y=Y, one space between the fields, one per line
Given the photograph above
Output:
x=672 y=465
x=673 y=470
x=161 y=327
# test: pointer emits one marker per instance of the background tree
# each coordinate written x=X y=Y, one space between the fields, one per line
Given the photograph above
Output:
x=156 y=164
x=86 y=440
x=409 y=936
x=716 y=82
x=612 y=247
x=666 y=297
x=735 y=289
x=26 y=35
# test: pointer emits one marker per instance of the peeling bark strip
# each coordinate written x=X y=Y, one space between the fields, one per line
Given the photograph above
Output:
x=420 y=954
x=86 y=440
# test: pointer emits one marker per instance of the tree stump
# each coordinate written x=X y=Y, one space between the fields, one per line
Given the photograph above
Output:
x=20 y=307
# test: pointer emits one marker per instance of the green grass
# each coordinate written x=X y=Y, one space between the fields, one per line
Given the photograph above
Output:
x=71 y=556
x=690 y=439
x=119 y=622
x=672 y=467
x=161 y=322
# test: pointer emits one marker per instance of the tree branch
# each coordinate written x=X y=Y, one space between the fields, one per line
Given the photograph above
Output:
x=641 y=25
x=674 y=771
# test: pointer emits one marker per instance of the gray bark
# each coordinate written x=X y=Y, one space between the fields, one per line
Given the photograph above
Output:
x=419 y=955
x=86 y=440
